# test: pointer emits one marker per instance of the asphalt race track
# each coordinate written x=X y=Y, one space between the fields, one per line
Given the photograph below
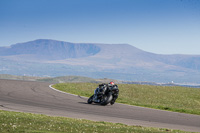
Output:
x=38 y=97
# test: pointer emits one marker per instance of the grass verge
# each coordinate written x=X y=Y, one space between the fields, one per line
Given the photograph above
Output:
x=17 y=122
x=171 y=98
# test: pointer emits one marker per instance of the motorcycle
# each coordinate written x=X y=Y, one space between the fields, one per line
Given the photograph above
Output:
x=104 y=95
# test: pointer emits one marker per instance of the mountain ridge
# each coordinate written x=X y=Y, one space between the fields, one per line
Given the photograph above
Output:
x=124 y=61
x=44 y=49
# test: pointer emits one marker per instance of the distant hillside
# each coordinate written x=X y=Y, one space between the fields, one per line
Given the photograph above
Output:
x=62 y=79
x=78 y=79
x=14 y=77
x=52 y=58
x=65 y=79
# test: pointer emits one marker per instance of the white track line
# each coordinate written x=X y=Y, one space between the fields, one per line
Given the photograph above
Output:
x=50 y=86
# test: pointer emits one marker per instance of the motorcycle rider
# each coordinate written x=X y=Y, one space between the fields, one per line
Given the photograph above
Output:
x=112 y=84
x=97 y=90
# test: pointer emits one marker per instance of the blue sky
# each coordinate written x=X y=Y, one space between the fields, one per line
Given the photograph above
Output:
x=158 y=26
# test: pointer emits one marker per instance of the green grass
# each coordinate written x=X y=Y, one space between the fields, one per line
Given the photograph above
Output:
x=171 y=98
x=16 y=122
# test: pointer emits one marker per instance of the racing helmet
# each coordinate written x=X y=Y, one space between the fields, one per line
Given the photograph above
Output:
x=111 y=83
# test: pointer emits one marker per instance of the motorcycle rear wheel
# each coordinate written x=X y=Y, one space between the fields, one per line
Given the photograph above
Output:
x=90 y=100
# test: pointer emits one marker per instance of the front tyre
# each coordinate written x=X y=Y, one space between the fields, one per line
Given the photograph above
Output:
x=112 y=102
x=106 y=99
x=90 y=100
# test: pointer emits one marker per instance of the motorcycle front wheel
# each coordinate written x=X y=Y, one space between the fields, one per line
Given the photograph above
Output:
x=106 y=99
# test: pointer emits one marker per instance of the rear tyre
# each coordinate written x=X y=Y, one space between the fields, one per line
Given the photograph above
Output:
x=90 y=100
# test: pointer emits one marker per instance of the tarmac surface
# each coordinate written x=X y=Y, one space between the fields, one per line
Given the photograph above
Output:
x=38 y=97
